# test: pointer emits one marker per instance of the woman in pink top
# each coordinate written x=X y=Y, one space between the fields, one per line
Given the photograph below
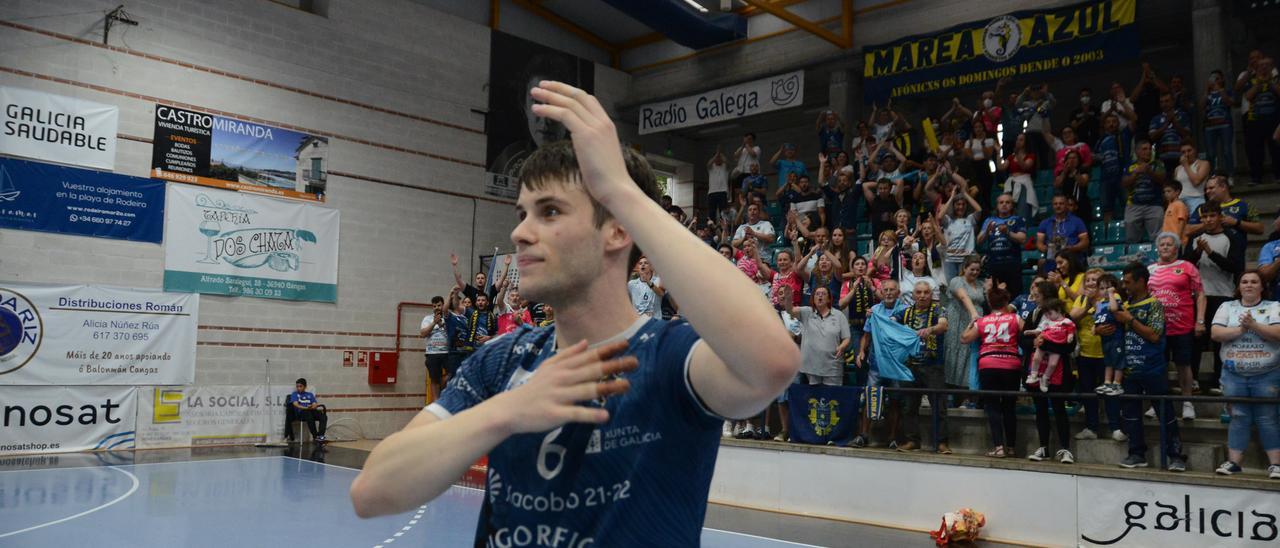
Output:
x=999 y=367
x=1176 y=284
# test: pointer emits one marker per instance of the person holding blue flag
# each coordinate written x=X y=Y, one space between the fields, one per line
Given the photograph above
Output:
x=894 y=355
x=929 y=322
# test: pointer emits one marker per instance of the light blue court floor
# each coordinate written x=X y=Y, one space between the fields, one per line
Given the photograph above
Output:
x=269 y=501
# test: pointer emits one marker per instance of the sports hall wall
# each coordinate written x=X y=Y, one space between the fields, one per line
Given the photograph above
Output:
x=396 y=87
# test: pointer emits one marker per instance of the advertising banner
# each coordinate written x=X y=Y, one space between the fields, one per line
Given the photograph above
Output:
x=1141 y=513
x=90 y=334
x=53 y=419
x=48 y=198
x=233 y=243
x=59 y=129
x=512 y=131
x=1020 y=44
x=204 y=149
x=176 y=416
x=763 y=95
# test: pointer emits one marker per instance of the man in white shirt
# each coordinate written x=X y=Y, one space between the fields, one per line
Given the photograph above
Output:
x=437 y=337
x=717 y=185
x=756 y=227
x=746 y=156
x=1121 y=106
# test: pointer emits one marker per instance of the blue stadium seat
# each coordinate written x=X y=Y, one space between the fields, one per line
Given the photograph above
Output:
x=1097 y=233
x=1143 y=253
x=1107 y=256
x=1115 y=232
x=863 y=247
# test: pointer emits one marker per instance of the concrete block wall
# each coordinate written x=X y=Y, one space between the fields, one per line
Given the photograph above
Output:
x=393 y=84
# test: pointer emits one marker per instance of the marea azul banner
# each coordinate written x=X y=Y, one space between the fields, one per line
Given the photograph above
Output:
x=1024 y=44
x=59 y=129
x=747 y=99
x=176 y=416
x=52 y=419
x=48 y=198
x=235 y=243
x=204 y=149
x=93 y=335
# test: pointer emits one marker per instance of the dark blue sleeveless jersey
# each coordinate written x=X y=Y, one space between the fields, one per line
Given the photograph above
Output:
x=640 y=479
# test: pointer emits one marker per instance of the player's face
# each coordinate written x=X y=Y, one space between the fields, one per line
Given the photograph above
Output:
x=482 y=302
x=559 y=249
x=300 y=387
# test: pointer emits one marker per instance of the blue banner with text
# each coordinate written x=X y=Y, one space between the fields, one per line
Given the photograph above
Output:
x=50 y=198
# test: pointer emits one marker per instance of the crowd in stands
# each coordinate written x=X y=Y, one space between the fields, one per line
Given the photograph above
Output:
x=1083 y=257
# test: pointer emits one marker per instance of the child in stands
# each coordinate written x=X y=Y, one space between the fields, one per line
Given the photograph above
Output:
x=1059 y=334
x=1112 y=345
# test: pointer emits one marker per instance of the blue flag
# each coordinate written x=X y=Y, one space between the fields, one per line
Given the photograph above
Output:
x=874 y=398
x=892 y=343
x=823 y=414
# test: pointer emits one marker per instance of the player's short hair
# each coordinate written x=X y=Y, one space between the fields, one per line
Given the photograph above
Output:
x=301 y=380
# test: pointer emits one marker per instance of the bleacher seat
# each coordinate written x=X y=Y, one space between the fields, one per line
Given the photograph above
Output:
x=1098 y=233
x=864 y=229
x=863 y=247
x=1031 y=256
x=1143 y=253
x=1107 y=256
x=1115 y=232
x=774 y=210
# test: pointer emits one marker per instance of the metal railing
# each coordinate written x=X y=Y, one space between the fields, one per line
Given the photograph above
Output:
x=936 y=402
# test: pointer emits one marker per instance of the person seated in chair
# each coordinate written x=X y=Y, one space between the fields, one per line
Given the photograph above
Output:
x=302 y=406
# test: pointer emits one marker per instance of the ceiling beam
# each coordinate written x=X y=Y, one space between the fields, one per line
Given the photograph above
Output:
x=572 y=27
x=846 y=9
x=655 y=37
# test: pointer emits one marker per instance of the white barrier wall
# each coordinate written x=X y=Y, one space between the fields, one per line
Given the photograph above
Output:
x=1020 y=506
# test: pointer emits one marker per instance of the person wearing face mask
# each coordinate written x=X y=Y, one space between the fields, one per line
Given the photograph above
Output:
x=1085 y=119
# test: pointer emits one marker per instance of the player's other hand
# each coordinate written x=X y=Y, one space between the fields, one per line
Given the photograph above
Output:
x=576 y=374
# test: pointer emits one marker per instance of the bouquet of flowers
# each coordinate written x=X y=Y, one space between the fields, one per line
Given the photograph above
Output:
x=959 y=526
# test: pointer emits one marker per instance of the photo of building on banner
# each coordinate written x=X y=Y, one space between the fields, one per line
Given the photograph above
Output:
x=1019 y=44
x=205 y=149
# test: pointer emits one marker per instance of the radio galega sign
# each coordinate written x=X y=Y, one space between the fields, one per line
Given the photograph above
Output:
x=234 y=243
x=95 y=335
x=754 y=97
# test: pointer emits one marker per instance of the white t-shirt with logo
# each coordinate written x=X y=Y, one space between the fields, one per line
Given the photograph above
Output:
x=438 y=342
x=760 y=227
x=745 y=159
x=1250 y=354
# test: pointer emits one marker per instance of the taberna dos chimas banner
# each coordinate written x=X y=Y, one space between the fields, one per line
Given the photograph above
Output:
x=236 y=243
x=49 y=198
x=55 y=419
x=1023 y=44
x=96 y=335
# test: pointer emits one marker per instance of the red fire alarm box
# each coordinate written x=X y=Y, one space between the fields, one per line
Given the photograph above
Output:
x=382 y=367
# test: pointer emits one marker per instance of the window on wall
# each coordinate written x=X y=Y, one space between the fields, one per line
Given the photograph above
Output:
x=666 y=183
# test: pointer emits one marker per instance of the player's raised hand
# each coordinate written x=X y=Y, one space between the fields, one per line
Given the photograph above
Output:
x=576 y=374
x=595 y=139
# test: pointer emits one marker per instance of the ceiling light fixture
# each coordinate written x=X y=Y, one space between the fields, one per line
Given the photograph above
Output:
x=693 y=4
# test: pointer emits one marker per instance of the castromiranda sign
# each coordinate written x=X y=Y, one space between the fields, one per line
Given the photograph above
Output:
x=1020 y=44
x=742 y=100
